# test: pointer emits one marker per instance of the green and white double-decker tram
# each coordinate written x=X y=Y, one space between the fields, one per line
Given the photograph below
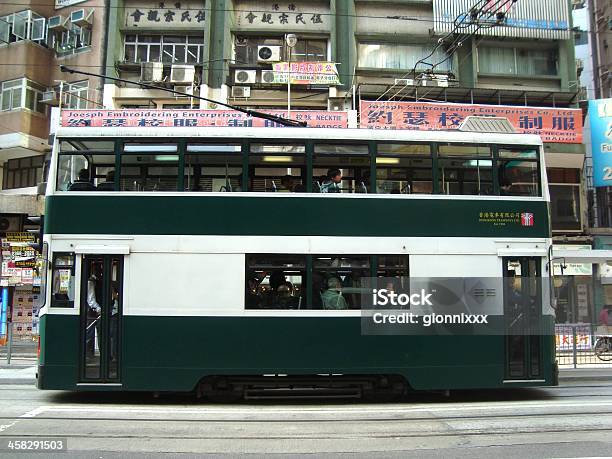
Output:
x=226 y=259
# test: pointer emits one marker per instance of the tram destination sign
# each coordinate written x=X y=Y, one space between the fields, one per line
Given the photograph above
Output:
x=559 y=125
x=194 y=118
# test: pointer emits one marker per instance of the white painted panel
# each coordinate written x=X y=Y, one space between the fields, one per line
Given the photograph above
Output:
x=184 y=284
x=455 y=266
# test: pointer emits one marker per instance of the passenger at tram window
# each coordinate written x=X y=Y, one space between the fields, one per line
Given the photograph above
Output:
x=109 y=182
x=285 y=298
x=331 y=183
x=352 y=286
x=332 y=297
x=254 y=299
x=82 y=183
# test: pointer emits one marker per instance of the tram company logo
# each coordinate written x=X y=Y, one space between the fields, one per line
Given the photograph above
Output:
x=526 y=219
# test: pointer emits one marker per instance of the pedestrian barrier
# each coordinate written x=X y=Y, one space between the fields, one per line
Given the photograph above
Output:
x=576 y=345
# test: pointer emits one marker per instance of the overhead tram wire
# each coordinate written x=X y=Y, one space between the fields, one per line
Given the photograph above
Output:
x=475 y=14
x=253 y=113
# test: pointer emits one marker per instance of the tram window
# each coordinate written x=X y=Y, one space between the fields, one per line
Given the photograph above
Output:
x=277 y=167
x=62 y=285
x=395 y=175
x=518 y=172
x=211 y=167
x=465 y=169
x=83 y=164
x=68 y=169
x=148 y=167
x=275 y=282
x=353 y=162
x=338 y=281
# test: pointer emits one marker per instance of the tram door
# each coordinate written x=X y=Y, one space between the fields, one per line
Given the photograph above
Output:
x=522 y=315
x=101 y=312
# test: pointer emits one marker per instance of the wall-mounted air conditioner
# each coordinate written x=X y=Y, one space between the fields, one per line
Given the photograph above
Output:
x=268 y=53
x=81 y=18
x=184 y=89
x=241 y=91
x=404 y=82
x=57 y=23
x=182 y=74
x=10 y=223
x=152 y=71
x=50 y=98
x=267 y=76
x=245 y=76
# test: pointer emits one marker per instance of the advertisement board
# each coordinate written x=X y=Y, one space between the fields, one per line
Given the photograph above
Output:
x=600 y=116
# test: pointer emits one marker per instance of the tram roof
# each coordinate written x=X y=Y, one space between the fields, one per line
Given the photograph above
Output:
x=290 y=133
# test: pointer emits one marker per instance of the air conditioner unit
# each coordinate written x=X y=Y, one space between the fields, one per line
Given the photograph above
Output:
x=182 y=74
x=57 y=23
x=10 y=223
x=152 y=71
x=49 y=98
x=267 y=76
x=404 y=82
x=80 y=18
x=245 y=76
x=184 y=89
x=268 y=53
x=241 y=91
x=241 y=40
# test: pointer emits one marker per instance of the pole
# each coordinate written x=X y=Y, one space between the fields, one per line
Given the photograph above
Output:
x=289 y=86
x=9 y=348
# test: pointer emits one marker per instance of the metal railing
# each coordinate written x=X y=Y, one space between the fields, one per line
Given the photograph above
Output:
x=575 y=345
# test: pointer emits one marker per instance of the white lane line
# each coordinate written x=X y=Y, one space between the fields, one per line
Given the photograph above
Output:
x=30 y=414
x=335 y=411
x=35 y=412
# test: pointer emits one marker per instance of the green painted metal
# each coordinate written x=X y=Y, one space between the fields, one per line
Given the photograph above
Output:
x=174 y=353
x=288 y=215
x=346 y=48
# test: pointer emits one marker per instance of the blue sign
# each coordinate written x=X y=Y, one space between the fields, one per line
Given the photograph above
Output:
x=600 y=115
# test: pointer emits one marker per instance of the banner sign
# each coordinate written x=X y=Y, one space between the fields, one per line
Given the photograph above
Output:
x=324 y=73
x=195 y=118
x=64 y=3
x=600 y=117
x=560 y=125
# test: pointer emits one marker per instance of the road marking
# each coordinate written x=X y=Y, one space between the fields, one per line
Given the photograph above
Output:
x=305 y=410
x=35 y=412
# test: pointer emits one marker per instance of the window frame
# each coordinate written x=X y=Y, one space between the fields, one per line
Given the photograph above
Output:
x=161 y=44
x=68 y=303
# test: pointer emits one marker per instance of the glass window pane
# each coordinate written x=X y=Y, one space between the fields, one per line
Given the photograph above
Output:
x=142 y=53
x=518 y=178
x=339 y=281
x=359 y=149
x=68 y=170
x=179 y=53
x=565 y=207
x=349 y=173
x=275 y=282
x=62 y=282
x=215 y=168
x=518 y=153
x=154 y=52
x=277 y=148
x=395 y=56
x=404 y=176
x=403 y=149
x=149 y=172
x=498 y=60
x=464 y=150
x=465 y=176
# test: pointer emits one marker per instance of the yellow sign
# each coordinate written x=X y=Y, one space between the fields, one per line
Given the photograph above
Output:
x=324 y=73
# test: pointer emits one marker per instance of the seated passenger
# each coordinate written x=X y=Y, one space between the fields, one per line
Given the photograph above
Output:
x=82 y=182
x=332 y=297
x=287 y=184
x=254 y=299
x=109 y=183
x=285 y=298
x=330 y=185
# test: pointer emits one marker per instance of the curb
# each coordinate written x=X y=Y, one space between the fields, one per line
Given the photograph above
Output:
x=18 y=382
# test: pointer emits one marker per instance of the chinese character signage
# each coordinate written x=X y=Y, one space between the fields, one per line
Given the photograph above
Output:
x=313 y=16
x=194 y=118
x=306 y=73
x=166 y=14
x=558 y=125
x=541 y=19
x=600 y=117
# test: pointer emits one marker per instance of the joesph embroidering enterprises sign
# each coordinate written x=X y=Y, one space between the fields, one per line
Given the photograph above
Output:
x=561 y=125
x=194 y=118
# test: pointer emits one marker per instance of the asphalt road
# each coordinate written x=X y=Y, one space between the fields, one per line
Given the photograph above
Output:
x=570 y=421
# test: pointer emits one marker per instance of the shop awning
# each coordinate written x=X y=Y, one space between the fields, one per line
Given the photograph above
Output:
x=582 y=256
